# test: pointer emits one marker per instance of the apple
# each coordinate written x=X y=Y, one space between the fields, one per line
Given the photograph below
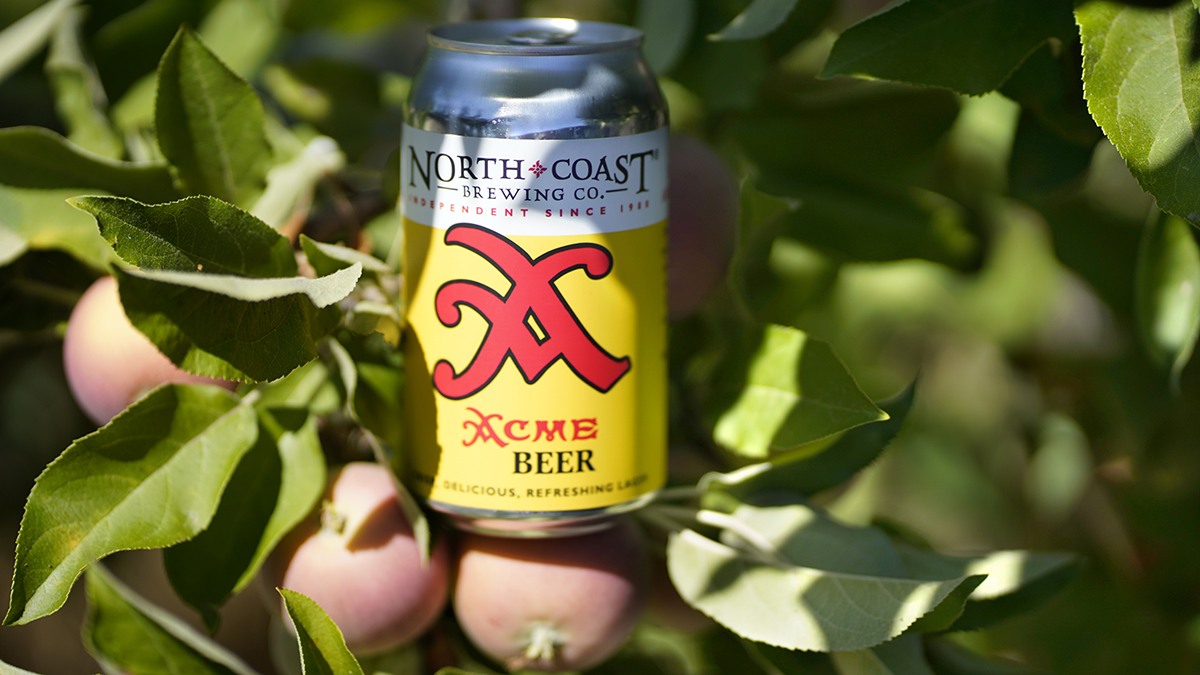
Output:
x=109 y=363
x=564 y=603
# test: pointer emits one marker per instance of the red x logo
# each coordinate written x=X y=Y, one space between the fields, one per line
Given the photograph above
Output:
x=533 y=297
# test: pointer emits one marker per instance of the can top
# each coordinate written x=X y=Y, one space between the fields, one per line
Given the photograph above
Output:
x=534 y=37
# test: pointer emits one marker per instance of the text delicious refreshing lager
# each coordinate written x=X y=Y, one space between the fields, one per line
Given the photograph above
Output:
x=534 y=198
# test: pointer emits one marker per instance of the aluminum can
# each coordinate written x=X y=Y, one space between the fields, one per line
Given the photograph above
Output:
x=534 y=201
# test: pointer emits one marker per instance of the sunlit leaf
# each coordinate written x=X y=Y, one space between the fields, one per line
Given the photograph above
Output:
x=1167 y=306
x=779 y=389
x=798 y=607
x=127 y=634
x=150 y=478
x=232 y=327
x=42 y=219
x=276 y=484
x=807 y=472
x=1142 y=83
x=1015 y=582
x=210 y=123
x=322 y=291
x=290 y=185
x=29 y=34
x=322 y=647
x=970 y=46
x=217 y=291
x=329 y=258
x=195 y=234
x=242 y=33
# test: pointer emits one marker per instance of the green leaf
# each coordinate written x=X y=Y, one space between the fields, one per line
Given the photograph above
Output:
x=970 y=46
x=858 y=131
x=373 y=311
x=779 y=389
x=78 y=93
x=329 y=258
x=192 y=234
x=1016 y=580
x=217 y=293
x=824 y=571
x=26 y=36
x=872 y=222
x=290 y=185
x=1061 y=470
x=132 y=38
x=34 y=157
x=758 y=19
x=322 y=648
x=211 y=124
x=309 y=386
x=242 y=33
x=806 y=472
x=1042 y=161
x=374 y=384
x=150 y=478
x=667 y=25
x=127 y=634
x=276 y=484
x=42 y=219
x=798 y=607
x=232 y=327
x=1167 y=305
x=1142 y=85
x=1049 y=86
x=322 y=291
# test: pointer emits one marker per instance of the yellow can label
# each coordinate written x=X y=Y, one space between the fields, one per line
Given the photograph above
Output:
x=536 y=302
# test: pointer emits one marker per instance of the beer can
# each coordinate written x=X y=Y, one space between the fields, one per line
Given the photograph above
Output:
x=534 y=202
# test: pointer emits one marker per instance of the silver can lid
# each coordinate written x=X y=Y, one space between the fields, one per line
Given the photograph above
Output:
x=533 y=37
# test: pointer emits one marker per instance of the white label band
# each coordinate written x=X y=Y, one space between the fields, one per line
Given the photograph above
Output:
x=534 y=187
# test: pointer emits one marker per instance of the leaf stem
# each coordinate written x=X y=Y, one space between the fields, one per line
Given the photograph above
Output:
x=678 y=493
x=755 y=542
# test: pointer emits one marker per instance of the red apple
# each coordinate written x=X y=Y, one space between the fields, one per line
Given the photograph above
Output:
x=359 y=561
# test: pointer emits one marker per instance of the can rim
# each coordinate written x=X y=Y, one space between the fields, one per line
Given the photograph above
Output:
x=534 y=37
